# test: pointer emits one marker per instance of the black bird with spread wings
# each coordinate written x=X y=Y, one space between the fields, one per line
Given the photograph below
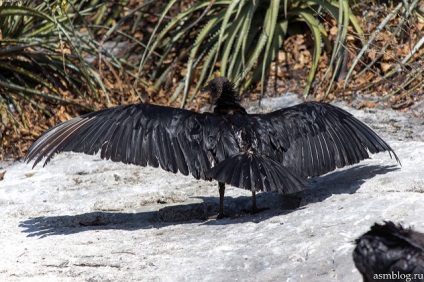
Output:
x=390 y=249
x=258 y=152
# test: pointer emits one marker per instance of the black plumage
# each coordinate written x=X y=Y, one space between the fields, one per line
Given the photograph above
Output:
x=390 y=252
x=259 y=152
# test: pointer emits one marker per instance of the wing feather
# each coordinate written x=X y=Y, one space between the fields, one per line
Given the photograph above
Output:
x=313 y=138
x=142 y=134
x=306 y=140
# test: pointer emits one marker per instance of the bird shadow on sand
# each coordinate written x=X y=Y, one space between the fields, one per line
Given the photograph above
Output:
x=346 y=181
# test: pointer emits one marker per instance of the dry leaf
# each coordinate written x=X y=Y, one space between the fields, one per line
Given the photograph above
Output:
x=367 y=104
x=282 y=56
x=385 y=67
x=371 y=54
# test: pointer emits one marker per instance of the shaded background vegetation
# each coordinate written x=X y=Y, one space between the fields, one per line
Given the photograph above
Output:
x=59 y=59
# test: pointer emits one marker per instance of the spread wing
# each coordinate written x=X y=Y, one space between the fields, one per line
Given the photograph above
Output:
x=143 y=134
x=308 y=140
x=311 y=139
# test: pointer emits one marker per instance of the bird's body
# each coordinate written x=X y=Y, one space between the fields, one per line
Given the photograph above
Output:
x=389 y=252
x=257 y=152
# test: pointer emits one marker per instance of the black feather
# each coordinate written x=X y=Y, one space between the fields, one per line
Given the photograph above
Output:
x=254 y=168
x=389 y=249
x=260 y=152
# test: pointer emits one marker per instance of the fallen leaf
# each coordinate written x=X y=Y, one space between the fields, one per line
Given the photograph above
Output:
x=385 y=67
x=367 y=104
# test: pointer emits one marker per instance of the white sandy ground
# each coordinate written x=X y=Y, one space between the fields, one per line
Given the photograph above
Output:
x=85 y=219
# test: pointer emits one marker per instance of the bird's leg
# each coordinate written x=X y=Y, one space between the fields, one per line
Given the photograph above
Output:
x=254 y=207
x=221 y=200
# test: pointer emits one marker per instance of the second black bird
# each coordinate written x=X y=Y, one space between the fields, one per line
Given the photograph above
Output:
x=390 y=252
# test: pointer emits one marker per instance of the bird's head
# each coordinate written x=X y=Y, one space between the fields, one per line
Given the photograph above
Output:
x=221 y=89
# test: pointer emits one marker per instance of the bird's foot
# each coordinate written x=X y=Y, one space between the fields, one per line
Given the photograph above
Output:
x=218 y=216
x=221 y=216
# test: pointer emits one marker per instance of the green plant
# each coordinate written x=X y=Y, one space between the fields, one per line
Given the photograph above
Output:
x=243 y=36
x=50 y=54
x=41 y=59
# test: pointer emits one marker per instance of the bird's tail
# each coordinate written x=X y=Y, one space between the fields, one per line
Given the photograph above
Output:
x=256 y=173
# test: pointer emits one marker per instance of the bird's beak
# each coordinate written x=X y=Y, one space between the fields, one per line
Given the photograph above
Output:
x=207 y=88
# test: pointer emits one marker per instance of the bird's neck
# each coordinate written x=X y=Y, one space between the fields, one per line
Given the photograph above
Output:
x=225 y=107
x=227 y=103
